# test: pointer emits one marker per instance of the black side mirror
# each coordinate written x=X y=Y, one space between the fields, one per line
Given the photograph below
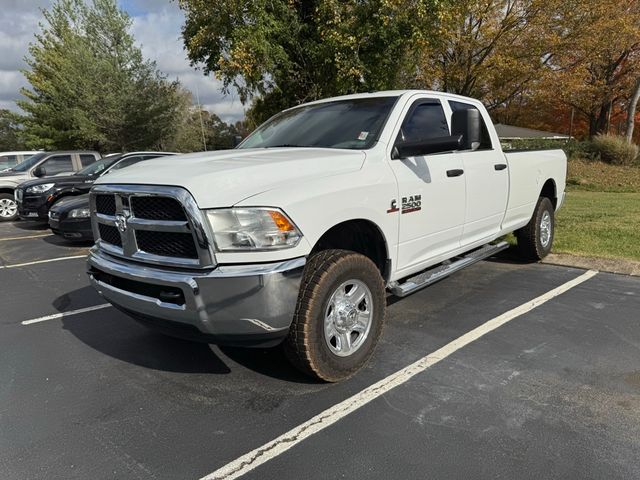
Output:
x=236 y=140
x=425 y=147
x=468 y=124
x=39 y=171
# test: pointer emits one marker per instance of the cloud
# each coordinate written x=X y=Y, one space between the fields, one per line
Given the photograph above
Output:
x=156 y=27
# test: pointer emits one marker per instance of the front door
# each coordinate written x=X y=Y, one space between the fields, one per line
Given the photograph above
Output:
x=431 y=190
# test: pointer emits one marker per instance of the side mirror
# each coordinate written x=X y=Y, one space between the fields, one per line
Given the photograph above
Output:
x=39 y=171
x=236 y=140
x=468 y=124
x=425 y=147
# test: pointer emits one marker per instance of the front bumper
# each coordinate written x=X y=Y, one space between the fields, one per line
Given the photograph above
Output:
x=72 y=228
x=33 y=207
x=231 y=304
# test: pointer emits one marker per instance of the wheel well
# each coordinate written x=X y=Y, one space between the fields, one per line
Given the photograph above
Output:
x=549 y=191
x=360 y=236
x=6 y=190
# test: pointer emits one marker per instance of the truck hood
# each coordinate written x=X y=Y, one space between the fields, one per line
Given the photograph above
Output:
x=224 y=178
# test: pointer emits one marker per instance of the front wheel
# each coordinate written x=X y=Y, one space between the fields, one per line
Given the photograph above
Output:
x=8 y=207
x=339 y=315
x=536 y=238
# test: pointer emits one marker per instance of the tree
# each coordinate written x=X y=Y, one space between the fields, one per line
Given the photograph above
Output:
x=9 y=132
x=90 y=86
x=284 y=52
x=492 y=49
x=600 y=66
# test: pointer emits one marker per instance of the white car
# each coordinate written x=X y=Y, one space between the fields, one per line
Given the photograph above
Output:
x=297 y=235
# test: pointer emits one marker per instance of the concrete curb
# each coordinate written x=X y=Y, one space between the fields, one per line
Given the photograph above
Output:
x=613 y=265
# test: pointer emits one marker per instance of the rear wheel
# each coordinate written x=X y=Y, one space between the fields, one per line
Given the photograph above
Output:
x=8 y=207
x=536 y=238
x=339 y=315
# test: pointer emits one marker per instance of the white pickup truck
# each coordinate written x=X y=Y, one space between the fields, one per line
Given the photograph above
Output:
x=296 y=236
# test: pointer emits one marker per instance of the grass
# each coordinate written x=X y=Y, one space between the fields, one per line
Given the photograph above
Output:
x=599 y=224
x=601 y=177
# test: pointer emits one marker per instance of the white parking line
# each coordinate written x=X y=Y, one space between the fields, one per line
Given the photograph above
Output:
x=284 y=442
x=26 y=236
x=65 y=314
x=16 y=265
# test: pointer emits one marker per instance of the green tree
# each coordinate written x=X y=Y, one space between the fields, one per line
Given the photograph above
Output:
x=284 y=52
x=9 y=131
x=90 y=85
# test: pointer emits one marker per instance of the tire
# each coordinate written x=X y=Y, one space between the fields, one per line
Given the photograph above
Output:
x=536 y=238
x=8 y=208
x=336 y=349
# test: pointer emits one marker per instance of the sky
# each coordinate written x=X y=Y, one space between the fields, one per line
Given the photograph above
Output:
x=156 y=28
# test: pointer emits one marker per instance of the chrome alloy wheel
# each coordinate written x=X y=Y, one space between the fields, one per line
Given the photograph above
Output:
x=8 y=208
x=545 y=229
x=348 y=316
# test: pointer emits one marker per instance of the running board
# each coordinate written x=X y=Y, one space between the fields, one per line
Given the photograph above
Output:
x=443 y=270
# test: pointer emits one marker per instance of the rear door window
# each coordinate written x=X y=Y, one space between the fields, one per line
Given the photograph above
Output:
x=425 y=120
x=485 y=141
x=58 y=164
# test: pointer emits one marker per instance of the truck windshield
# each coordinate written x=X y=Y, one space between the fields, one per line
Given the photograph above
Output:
x=354 y=124
x=28 y=163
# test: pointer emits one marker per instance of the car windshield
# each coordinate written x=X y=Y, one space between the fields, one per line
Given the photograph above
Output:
x=353 y=124
x=96 y=168
x=29 y=162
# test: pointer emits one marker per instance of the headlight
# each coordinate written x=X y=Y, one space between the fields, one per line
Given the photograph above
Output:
x=40 y=188
x=243 y=229
x=79 y=213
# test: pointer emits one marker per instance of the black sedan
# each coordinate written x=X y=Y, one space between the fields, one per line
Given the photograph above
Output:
x=69 y=218
x=37 y=196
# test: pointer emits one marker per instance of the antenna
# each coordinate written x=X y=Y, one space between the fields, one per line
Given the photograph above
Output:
x=204 y=141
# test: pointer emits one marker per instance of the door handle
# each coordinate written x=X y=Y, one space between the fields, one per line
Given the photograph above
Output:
x=455 y=173
x=500 y=166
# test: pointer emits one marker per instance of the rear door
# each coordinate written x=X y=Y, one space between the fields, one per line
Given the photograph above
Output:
x=431 y=189
x=487 y=185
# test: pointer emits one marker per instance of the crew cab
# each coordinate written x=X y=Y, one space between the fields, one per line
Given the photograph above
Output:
x=42 y=164
x=297 y=235
x=35 y=197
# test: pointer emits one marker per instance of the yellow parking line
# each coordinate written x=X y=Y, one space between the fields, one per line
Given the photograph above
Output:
x=26 y=236
x=16 y=265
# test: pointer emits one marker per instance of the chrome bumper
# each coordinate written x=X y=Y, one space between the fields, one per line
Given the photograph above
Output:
x=229 y=302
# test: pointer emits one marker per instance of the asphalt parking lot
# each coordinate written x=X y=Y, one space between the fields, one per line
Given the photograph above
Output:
x=552 y=393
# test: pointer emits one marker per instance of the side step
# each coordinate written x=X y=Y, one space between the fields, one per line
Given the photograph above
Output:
x=441 y=271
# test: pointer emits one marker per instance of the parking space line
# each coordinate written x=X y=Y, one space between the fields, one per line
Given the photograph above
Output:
x=65 y=314
x=284 y=442
x=58 y=259
x=26 y=236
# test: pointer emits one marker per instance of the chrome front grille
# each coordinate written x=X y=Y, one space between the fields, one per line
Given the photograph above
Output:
x=153 y=224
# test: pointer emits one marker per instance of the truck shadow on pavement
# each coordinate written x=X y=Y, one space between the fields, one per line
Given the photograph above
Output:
x=114 y=334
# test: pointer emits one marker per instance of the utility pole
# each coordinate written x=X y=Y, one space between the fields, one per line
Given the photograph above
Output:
x=204 y=141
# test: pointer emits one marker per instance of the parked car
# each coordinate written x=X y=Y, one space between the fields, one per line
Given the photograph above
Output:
x=11 y=159
x=42 y=164
x=68 y=211
x=296 y=235
x=35 y=197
